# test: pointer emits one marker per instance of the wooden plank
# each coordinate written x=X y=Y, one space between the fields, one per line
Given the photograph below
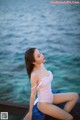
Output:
x=19 y=111
x=14 y=109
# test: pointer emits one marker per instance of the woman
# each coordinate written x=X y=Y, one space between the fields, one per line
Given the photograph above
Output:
x=41 y=83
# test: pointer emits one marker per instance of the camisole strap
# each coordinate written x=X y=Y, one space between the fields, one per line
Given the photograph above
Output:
x=35 y=86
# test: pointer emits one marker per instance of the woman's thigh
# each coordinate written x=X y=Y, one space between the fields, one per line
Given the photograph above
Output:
x=63 y=97
x=54 y=111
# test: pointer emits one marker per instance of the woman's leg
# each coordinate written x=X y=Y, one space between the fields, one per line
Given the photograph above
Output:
x=71 y=99
x=54 y=111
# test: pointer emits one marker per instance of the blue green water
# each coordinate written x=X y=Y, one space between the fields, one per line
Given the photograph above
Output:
x=53 y=29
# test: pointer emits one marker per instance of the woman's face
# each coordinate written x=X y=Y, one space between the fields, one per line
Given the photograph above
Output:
x=39 y=57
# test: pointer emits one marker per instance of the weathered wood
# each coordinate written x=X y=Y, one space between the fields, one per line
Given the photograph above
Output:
x=14 y=109
x=18 y=111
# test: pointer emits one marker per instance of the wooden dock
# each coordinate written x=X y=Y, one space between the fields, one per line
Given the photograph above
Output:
x=18 y=111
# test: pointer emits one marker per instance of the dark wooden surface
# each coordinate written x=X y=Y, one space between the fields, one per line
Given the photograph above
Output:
x=14 y=109
x=19 y=111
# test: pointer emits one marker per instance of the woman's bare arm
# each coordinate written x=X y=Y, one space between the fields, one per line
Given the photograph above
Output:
x=32 y=96
x=33 y=91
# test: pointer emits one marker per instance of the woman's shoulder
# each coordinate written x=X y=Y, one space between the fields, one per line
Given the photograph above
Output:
x=34 y=75
x=34 y=79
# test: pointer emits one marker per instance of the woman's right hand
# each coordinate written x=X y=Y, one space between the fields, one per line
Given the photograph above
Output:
x=28 y=116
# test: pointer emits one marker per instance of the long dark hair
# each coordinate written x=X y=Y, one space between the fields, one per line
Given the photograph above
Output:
x=29 y=59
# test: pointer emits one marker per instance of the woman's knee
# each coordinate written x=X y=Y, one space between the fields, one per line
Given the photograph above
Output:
x=70 y=118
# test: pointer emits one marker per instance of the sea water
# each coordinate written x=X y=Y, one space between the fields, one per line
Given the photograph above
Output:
x=53 y=29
